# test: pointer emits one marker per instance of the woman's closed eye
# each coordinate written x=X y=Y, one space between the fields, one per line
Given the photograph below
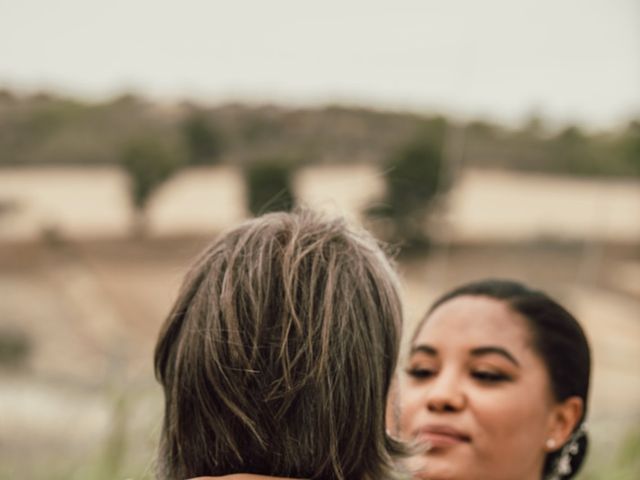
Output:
x=421 y=372
x=490 y=376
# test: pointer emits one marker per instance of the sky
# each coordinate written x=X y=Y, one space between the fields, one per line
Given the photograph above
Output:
x=566 y=60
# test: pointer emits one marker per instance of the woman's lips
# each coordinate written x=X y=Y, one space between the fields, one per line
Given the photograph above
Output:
x=441 y=436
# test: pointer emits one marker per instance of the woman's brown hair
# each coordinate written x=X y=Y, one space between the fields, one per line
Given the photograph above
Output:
x=278 y=354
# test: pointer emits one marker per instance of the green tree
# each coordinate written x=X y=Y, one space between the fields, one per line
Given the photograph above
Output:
x=573 y=152
x=631 y=147
x=412 y=180
x=269 y=185
x=148 y=163
x=203 y=140
x=15 y=347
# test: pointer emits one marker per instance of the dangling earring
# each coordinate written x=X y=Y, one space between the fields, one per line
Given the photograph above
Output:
x=562 y=467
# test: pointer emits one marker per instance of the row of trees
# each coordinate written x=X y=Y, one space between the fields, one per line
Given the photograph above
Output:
x=412 y=175
x=153 y=142
x=46 y=129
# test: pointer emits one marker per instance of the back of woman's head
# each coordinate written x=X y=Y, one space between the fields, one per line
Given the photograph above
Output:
x=278 y=354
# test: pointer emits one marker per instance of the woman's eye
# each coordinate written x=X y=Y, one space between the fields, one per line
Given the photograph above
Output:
x=490 y=377
x=420 y=373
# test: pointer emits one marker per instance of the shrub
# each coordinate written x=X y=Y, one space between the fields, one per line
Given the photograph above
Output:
x=269 y=185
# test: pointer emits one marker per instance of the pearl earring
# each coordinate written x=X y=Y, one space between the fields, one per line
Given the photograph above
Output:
x=551 y=443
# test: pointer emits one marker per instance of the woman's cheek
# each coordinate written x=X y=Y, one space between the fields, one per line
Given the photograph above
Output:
x=495 y=421
x=408 y=406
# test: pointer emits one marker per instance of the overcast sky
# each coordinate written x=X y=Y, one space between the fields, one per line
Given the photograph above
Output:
x=567 y=59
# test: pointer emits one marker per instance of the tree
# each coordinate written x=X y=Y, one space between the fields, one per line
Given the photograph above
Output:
x=148 y=163
x=203 y=140
x=573 y=152
x=412 y=179
x=269 y=185
x=631 y=147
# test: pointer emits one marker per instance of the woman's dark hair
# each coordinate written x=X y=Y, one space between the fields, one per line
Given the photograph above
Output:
x=557 y=337
x=278 y=354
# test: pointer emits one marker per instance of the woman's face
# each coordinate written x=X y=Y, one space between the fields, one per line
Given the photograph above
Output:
x=478 y=394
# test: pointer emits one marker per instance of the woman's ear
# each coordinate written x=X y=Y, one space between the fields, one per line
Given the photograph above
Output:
x=564 y=419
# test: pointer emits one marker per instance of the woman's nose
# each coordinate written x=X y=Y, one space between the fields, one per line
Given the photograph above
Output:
x=446 y=395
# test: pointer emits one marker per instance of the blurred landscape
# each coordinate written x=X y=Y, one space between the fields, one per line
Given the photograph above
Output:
x=103 y=205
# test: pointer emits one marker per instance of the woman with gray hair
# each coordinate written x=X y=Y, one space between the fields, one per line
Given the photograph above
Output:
x=278 y=355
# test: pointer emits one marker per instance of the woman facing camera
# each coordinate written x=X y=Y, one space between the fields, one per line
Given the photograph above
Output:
x=277 y=356
x=497 y=384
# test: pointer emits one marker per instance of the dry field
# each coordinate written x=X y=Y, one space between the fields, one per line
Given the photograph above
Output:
x=85 y=404
x=89 y=300
x=484 y=206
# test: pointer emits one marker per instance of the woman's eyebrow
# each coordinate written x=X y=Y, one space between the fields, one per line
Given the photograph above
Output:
x=426 y=349
x=479 y=351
